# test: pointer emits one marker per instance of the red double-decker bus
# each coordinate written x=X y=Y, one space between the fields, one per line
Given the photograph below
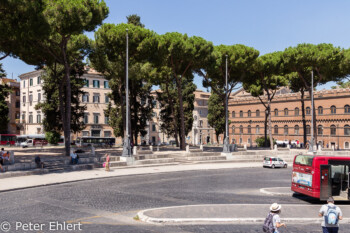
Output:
x=321 y=176
x=7 y=139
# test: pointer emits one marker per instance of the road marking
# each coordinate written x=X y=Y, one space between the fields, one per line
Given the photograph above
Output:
x=266 y=191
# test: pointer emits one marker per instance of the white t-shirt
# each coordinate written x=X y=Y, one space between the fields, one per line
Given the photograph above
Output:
x=276 y=218
x=73 y=155
x=324 y=210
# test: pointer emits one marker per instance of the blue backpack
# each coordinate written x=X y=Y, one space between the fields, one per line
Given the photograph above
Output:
x=331 y=217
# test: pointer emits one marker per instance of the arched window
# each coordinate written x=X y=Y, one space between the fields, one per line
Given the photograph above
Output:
x=286 y=111
x=308 y=111
x=296 y=130
x=276 y=112
x=249 y=129
x=333 y=130
x=346 y=145
x=346 y=109
x=308 y=129
x=275 y=129
x=233 y=130
x=257 y=129
x=296 y=111
x=285 y=130
x=249 y=113
x=320 y=110
x=333 y=110
x=233 y=114
x=347 y=130
x=241 y=129
x=240 y=113
x=257 y=113
x=320 y=130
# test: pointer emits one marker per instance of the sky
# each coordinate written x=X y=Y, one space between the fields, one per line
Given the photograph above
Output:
x=266 y=25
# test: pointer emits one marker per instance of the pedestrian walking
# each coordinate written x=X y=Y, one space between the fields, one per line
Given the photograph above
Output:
x=107 y=162
x=331 y=215
x=273 y=220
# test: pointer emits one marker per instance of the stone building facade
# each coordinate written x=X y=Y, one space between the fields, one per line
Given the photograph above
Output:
x=247 y=116
x=13 y=103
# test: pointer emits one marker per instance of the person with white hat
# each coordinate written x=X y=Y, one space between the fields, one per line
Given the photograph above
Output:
x=273 y=220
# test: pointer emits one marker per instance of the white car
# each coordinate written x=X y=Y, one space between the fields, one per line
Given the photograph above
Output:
x=274 y=162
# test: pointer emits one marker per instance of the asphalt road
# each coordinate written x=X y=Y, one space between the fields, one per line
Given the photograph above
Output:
x=109 y=205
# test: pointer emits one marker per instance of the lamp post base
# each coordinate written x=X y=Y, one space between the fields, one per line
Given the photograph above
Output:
x=126 y=148
x=128 y=160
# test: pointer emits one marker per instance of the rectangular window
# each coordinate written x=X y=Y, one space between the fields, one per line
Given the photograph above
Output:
x=23 y=118
x=38 y=118
x=24 y=83
x=153 y=128
x=24 y=99
x=96 y=99
x=39 y=96
x=39 y=80
x=18 y=104
x=106 y=120
x=18 y=93
x=106 y=99
x=31 y=82
x=86 y=83
x=30 y=98
x=30 y=119
x=96 y=83
x=95 y=119
x=85 y=98
x=17 y=115
x=85 y=133
x=86 y=118
x=106 y=85
x=108 y=134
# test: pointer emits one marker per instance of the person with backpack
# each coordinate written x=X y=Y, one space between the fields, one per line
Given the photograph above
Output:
x=273 y=221
x=331 y=215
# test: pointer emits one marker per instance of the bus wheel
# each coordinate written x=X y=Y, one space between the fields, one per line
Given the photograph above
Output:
x=285 y=166
x=273 y=166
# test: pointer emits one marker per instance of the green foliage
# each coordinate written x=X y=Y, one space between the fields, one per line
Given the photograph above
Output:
x=52 y=77
x=170 y=109
x=2 y=72
x=4 y=110
x=260 y=141
x=108 y=57
x=135 y=20
x=342 y=84
x=52 y=137
x=216 y=113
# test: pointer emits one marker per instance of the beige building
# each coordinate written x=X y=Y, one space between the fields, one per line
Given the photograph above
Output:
x=96 y=100
x=13 y=103
x=201 y=132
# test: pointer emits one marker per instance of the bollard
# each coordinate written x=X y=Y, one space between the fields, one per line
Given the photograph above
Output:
x=201 y=147
x=187 y=149
x=319 y=148
x=275 y=147
x=245 y=146
x=151 y=148
x=135 y=150
x=12 y=157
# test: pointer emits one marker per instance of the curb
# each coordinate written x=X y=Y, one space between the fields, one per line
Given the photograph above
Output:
x=152 y=220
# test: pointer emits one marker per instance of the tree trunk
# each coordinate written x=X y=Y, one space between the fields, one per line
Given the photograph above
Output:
x=182 y=120
x=265 y=129
x=302 y=100
x=68 y=107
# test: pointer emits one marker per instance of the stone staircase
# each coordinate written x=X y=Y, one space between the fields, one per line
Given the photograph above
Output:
x=197 y=156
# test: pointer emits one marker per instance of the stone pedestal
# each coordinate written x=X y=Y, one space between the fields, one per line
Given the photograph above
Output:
x=92 y=151
x=128 y=160
x=151 y=148
x=12 y=157
x=245 y=146
x=228 y=155
x=201 y=147
x=134 y=152
x=319 y=148
x=275 y=147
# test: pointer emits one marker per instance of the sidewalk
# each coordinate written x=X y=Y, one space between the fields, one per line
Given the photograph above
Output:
x=235 y=213
x=15 y=183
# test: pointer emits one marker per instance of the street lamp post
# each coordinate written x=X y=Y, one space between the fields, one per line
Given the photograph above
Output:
x=226 y=148
x=311 y=146
x=126 y=146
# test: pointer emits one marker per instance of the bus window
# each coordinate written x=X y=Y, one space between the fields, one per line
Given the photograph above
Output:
x=304 y=160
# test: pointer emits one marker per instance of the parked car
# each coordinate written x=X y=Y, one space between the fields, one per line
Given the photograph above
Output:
x=274 y=162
